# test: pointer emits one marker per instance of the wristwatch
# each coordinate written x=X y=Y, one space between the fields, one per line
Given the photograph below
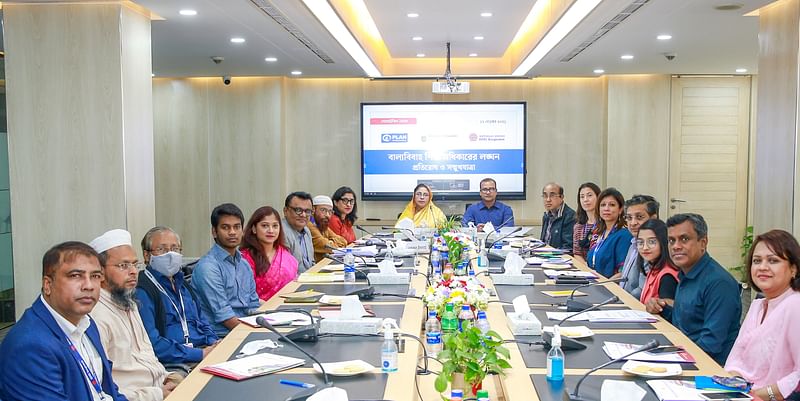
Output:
x=771 y=394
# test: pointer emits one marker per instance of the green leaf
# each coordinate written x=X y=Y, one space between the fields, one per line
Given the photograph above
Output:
x=441 y=382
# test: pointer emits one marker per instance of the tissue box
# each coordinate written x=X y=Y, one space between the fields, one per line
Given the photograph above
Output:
x=384 y=278
x=367 y=325
x=527 y=327
x=512 y=279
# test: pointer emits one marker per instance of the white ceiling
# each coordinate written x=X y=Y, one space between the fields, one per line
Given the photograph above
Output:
x=705 y=40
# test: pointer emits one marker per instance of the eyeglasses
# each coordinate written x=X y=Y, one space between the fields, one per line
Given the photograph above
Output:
x=163 y=249
x=550 y=195
x=300 y=211
x=650 y=242
x=488 y=190
x=348 y=201
x=637 y=217
x=422 y=194
x=326 y=211
x=126 y=266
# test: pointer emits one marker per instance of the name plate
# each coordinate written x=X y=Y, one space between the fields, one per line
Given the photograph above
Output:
x=423 y=246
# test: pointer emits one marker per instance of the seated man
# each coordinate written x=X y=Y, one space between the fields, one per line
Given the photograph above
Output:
x=707 y=305
x=43 y=355
x=296 y=213
x=638 y=209
x=489 y=209
x=136 y=369
x=321 y=235
x=179 y=333
x=223 y=280
x=558 y=219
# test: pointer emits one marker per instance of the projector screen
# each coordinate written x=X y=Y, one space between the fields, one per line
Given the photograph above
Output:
x=449 y=146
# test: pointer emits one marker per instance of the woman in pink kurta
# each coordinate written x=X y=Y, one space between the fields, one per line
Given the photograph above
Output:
x=767 y=350
x=263 y=247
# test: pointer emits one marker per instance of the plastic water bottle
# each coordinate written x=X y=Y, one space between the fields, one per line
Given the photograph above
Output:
x=555 y=358
x=349 y=267
x=433 y=335
x=456 y=394
x=389 y=255
x=449 y=320
x=465 y=317
x=483 y=259
x=482 y=395
x=388 y=352
x=436 y=258
x=482 y=323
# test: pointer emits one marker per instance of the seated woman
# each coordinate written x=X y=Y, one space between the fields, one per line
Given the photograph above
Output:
x=610 y=239
x=344 y=213
x=264 y=248
x=767 y=350
x=585 y=220
x=662 y=276
x=422 y=210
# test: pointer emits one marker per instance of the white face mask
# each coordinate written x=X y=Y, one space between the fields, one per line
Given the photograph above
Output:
x=167 y=264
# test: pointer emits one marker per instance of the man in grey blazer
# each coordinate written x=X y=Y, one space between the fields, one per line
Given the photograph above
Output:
x=296 y=213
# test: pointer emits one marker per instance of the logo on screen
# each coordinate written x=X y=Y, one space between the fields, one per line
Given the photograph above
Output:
x=394 y=138
x=473 y=137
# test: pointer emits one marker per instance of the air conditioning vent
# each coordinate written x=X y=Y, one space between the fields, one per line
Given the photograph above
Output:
x=607 y=27
x=276 y=14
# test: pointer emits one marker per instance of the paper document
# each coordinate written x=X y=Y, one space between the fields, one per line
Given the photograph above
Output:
x=674 y=390
x=616 y=350
x=251 y=366
x=575 y=273
x=563 y=293
x=606 y=316
x=308 y=277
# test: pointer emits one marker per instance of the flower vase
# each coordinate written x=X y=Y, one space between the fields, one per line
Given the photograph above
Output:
x=457 y=382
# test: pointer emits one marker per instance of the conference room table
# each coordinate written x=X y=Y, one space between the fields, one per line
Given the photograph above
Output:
x=524 y=381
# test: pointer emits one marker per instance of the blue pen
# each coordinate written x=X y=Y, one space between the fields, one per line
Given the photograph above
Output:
x=296 y=383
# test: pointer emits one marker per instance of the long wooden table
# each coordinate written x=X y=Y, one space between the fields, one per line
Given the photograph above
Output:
x=517 y=384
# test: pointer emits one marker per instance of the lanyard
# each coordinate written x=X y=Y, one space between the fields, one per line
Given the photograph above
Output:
x=599 y=244
x=181 y=312
x=87 y=371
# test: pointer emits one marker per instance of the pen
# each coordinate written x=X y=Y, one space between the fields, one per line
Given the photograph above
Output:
x=296 y=383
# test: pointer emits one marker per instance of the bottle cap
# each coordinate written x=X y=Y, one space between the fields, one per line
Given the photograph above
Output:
x=465 y=307
x=482 y=394
x=556 y=342
x=456 y=393
x=449 y=306
x=349 y=250
x=432 y=313
x=481 y=315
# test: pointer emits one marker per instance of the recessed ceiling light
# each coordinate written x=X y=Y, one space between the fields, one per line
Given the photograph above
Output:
x=270 y=59
x=417 y=38
x=478 y=38
x=741 y=70
x=187 y=12
x=473 y=54
x=626 y=56
x=420 y=54
x=486 y=15
x=296 y=72
x=599 y=71
x=237 y=40
x=664 y=37
x=728 y=7
x=412 y=15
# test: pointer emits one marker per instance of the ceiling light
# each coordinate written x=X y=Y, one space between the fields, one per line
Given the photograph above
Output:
x=296 y=72
x=237 y=40
x=664 y=37
x=478 y=38
x=473 y=54
x=417 y=38
x=486 y=15
x=325 y=14
x=576 y=13
x=412 y=15
x=626 y=56
x=270 y=59
x=599 y=71
x=187 y=12
x=420 y=54
x=741 y=70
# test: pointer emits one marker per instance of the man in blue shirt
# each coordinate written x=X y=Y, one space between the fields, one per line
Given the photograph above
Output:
x=707 y=305
x=223 y=280
x=489 y=209
x=179 y=333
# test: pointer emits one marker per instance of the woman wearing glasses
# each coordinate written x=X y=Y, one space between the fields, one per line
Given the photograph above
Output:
x=422 y=210
x=585 y=219
x=264 y=248
x=344 y=213
x=610 y=239
x=767 y=350
x=662 y=276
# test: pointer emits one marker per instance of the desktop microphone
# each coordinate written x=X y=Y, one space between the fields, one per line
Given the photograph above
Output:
x=305 y=393
x=363 y=229
x=575 y=305
x=306 y=334
x=514 y=231
x=409 y=233
x=568 y=343
x=495 y=228
x=575 y=397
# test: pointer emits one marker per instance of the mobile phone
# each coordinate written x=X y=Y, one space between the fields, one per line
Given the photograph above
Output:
x=727 y=395
x=665 y=350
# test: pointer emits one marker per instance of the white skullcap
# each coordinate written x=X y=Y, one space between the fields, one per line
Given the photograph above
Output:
x=322 y=200
x=111 y=239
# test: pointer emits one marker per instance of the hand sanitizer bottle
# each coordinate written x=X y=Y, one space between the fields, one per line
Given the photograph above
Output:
x=555 y=358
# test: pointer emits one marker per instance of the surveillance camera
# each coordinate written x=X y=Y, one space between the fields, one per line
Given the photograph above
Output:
x=217 y=59
x=670 y=56
x=226 y=79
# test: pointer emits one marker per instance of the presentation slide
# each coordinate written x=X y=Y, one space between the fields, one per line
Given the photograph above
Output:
x=449 y=146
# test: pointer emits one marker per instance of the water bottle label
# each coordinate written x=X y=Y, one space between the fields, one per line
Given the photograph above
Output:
x=555 y=369
x=389 y=362
x=433 y=338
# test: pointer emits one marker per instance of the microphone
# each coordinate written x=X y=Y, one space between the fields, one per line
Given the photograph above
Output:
x=575 y=395
x=305 y=393
x=568 y=343
x=495 y=228
x=307 y=334
x=408 y=233
x=363 y=229
x=514 y=231
x=574 y=305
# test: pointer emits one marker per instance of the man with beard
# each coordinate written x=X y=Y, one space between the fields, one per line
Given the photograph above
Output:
x=135 y=369
x=321 y=234
x=223 y=280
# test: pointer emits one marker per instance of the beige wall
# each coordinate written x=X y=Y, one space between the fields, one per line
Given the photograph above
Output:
x=258 y=139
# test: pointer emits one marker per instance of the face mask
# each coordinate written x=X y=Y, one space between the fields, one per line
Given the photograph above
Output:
x=167 y=264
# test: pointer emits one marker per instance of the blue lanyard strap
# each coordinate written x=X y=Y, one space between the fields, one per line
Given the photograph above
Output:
x=87 y=371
